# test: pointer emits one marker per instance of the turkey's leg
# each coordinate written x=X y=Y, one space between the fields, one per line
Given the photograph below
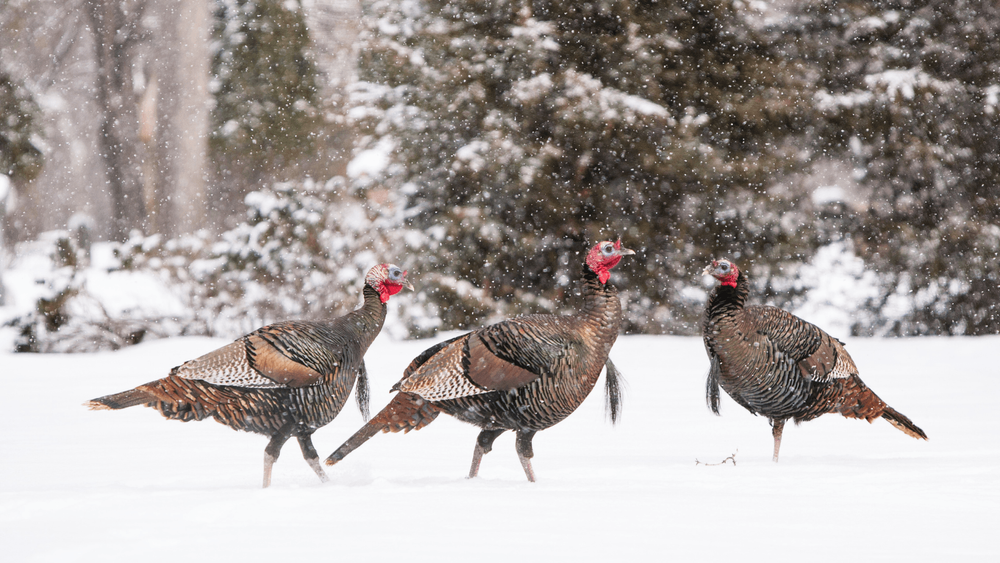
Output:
x=484 y=445
x=525 y=453
x=776 y=427
x=312 y=458
x=271 y=453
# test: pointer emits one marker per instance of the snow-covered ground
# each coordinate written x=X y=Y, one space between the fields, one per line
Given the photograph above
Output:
x=80 y=485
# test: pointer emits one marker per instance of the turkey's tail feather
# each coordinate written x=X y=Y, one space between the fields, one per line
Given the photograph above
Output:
x=712 y=384
x=613 y=391
x=899 y=420
x=405 y=412
x=363 y=392
x=122 y=400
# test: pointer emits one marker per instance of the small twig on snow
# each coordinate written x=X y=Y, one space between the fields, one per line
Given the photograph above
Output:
x=731 y=458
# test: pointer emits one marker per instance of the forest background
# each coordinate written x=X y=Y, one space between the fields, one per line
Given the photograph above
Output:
x=237 y=162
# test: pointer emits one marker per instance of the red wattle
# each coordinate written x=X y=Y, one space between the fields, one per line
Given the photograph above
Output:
x=730 y=280
x=386 y=288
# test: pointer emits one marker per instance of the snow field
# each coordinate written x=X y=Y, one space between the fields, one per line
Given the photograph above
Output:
x=80 y=485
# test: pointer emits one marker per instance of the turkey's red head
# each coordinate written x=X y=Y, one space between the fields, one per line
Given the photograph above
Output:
x=723 y=270
x=604 y=256
x=387 y=279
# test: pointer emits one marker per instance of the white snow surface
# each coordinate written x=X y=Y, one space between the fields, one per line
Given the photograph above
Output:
x=81 y=485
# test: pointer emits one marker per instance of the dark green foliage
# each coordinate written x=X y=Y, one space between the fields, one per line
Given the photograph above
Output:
x=524 y=131
x=19 y=158
x=909 y=89
x=265 y=118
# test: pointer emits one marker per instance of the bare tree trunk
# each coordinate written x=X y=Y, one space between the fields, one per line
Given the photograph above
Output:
x=5 y=190
x=182 y=66
x=115 y=25
x=333 y=30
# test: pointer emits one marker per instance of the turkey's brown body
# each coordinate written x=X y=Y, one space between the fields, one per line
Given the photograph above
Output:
x=782 y=367
x=264 y=411
x=285 y=379
x=524 y=374
x=566 y=352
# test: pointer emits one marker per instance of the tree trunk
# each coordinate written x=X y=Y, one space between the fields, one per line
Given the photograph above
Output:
x=181 y=67
x=4 y=194
x=115 y=32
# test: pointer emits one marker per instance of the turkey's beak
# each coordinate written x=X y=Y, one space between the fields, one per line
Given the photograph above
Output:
x=625 y=252
x=406 y=283
x=710 y=268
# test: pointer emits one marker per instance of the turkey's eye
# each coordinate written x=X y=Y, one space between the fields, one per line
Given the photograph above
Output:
x=607 y=249
x=395 y=273
x=724 y=267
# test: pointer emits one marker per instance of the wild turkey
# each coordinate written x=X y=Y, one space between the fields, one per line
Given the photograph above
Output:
x=778 y=365
x=285 y=379
x=523 y=374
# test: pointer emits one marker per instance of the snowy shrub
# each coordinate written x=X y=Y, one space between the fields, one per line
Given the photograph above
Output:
x=837 y=291
x=302 y=253
x=70 y=305
x=946 y=280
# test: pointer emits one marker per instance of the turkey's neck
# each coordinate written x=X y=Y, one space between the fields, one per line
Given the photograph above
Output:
x=372 y=314
x=728 y=300
x=601 y=307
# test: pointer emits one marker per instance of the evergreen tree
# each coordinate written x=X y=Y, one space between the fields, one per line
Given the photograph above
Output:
x=521 y=130
x=909 y=89
x=19 y=158
x=265 y=117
